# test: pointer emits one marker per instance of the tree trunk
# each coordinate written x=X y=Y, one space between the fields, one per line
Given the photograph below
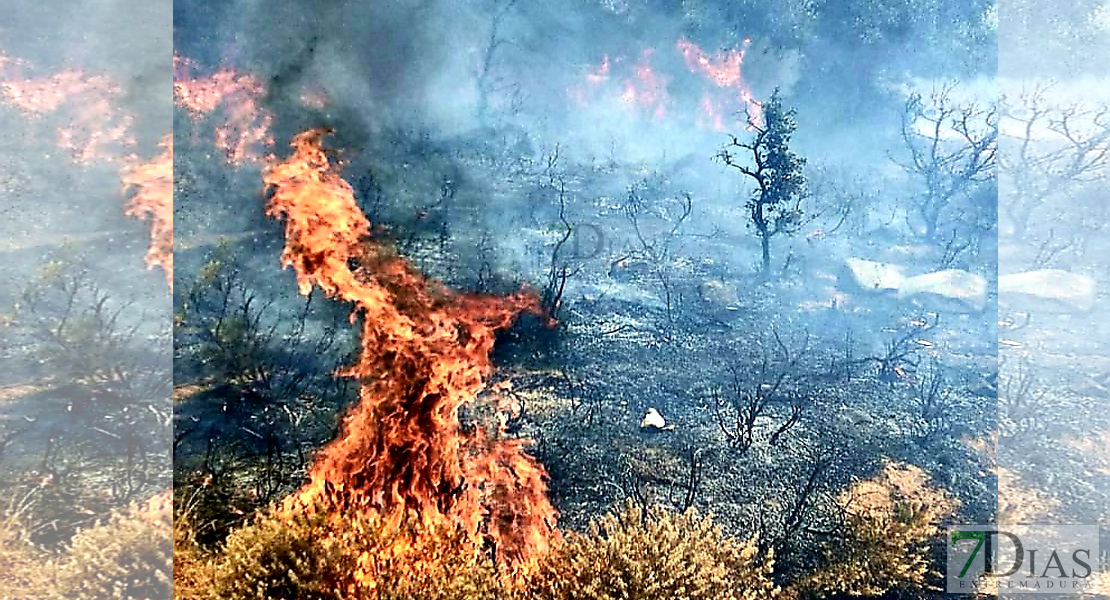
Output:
x=763 y=229
x=765 y=241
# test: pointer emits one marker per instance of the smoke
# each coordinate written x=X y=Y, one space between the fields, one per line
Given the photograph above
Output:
x=125 y=40
x=118 y=44
x=452 y=66
x=411 y=86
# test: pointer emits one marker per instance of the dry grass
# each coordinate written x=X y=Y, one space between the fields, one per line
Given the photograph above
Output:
x=24 y=573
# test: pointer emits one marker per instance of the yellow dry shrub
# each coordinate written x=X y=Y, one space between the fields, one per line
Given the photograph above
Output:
x=272 y=559
x=891 y=520
x=652 y=554
x=192 y=565
x=317 y=556
x=24 y=573
x=130 y=556
x=634 y=555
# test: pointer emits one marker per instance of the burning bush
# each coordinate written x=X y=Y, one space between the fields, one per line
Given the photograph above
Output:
x=425 y=354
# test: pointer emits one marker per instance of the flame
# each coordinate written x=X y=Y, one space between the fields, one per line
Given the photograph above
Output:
x=245 y=135
x=711 y=115
x=601 y=74
x=642 y=90
x=594 y=79
x=424 y=355
x=95 y=130
x=724 y=70
x=152 y=201
x=646 y=88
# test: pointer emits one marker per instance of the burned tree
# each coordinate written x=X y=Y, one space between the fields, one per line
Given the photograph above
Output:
x=951 y=148
x=933 y=400
x=560 y=269
x=1051 y=151
x=899 y=358
x=775 y=204
x=563 y=264
x=656 y=245
x=489 y=84
x=774 y=387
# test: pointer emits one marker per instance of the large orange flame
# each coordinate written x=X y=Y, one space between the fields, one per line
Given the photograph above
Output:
x=245 y=135
x=424 y=355
x=152 y=200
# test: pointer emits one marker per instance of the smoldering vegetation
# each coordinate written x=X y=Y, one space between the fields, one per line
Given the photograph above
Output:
x=921 y=217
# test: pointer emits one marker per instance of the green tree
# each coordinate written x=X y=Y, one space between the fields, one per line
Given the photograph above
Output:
x=775 y=203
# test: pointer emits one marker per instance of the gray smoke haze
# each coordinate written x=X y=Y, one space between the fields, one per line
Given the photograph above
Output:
x=407 y=77
x=423 y=63
x=84 y=318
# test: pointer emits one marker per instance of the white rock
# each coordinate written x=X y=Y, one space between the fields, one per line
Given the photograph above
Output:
x=869 y=275
x=952 y=290
x=653 y=421
x=1048 y=290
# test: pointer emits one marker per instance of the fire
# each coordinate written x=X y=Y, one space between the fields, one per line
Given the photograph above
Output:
x=595 y=79
x=642 y=89
x=711 y=115
x=245 y=135
x=724 y=70
x=424 y=355
x=601 y=74
x=94 y=130
x=646 y=88
x=152 y=200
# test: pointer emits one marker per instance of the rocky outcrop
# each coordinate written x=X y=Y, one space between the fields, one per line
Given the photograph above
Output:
x=859 y=275
x=951 y=290
x=1048 y=290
